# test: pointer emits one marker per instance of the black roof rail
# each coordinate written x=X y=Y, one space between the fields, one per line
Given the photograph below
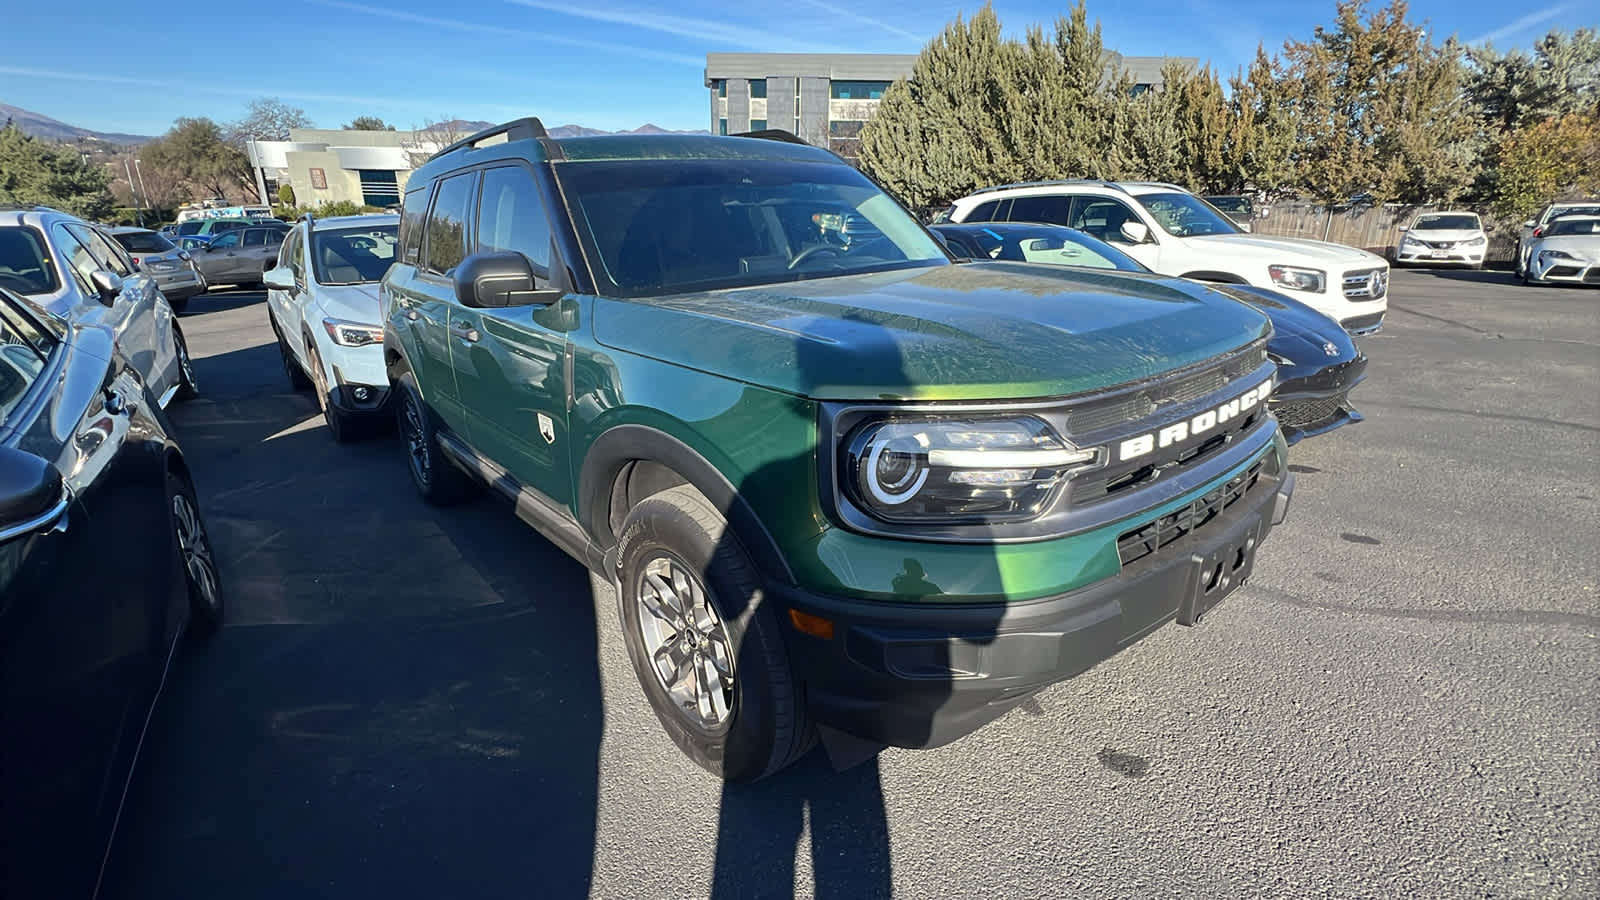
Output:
x=1060 y=181
x=527 y=128
x=773 y=134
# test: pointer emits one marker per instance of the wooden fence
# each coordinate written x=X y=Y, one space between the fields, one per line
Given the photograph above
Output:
x=1372 y=228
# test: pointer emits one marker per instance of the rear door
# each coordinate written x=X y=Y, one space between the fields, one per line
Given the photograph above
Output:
x=83 y=603
x=509 y=362
x=423 y=294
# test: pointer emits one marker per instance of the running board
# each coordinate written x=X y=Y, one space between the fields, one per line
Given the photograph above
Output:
x=541 y=513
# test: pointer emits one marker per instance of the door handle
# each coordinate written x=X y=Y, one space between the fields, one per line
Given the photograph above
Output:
x=465 y=332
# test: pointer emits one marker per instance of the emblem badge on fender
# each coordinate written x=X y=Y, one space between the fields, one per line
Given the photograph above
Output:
x=1330 y=348
x=547 y=429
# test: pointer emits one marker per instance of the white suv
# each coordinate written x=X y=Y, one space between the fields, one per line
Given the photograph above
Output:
x=322 y=302
x=1176 y=233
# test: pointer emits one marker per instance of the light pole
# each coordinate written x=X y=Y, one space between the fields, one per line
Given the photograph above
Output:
x=133 y=189
x=142 y=189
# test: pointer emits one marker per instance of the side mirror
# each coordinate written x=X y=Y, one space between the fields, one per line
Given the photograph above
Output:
x=1488 y=227
x=1137 y=232
x=107 y=284
x=1244 y=227
x=1528 y=224
x=280 y=278
x=208 y=247
x=497 y=280
x=1403 y=228
x=32 y=498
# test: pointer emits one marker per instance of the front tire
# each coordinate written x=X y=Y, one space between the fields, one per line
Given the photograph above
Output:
x=194 y=551
x=343 y=427
x=188 y=386
x=436 y=478
x=704 y=640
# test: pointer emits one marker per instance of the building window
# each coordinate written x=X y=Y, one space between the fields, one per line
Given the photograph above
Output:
x=758 y=89
x=379 y=188
x=722 y=126
x=845 y=128
x=720 y=85
x=1138 y=89
x=858 y=90
x=758 y=124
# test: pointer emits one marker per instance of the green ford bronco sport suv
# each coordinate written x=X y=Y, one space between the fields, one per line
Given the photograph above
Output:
x=843 y=485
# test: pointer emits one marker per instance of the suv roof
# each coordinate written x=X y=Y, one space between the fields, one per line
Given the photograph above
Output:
x=354 y=221
x=527 y=139
x=1131 y=188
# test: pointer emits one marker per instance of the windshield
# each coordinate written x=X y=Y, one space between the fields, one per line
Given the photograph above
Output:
x=1047 y=244
x=669 y=226
x=143 y=241
x=357 y=255
x=1185 y=215
x=24 y=264
x=1572 y=226
x=1451 y=222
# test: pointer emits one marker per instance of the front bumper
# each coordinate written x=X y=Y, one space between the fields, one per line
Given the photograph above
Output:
x=1317 y=403
x=355 y=371
x=924 y=674
x=1454 y=256
x=1571 y=271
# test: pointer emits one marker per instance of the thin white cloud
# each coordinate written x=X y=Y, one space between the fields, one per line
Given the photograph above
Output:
x=700 y=30
x=876 y=23
x=1520 y=25
x=521 y=34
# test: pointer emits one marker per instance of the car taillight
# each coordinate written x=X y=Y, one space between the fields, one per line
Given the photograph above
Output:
x=136 y=260
x=1538 y=231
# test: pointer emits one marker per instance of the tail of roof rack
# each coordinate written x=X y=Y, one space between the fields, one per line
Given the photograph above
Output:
x=773 y=134
x=524 y=129
x=1029 y=184
x=1159 y=184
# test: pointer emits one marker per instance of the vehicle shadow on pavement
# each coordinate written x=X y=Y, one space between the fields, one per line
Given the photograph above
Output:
x=1477 y=276
x=221 y=300
x=405 y=702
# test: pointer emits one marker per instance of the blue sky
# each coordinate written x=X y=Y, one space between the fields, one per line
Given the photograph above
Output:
x=112 y=66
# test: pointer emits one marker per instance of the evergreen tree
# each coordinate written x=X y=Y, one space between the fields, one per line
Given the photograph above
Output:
x=34 y=171
x=1261 y=128
x=1547 y=161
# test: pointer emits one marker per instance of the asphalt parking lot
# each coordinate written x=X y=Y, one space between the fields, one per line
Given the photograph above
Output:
x=410 y=702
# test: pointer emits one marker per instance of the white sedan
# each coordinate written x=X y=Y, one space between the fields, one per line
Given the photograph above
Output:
x=322 y=300
x=1444 y=238
x=1567 y=250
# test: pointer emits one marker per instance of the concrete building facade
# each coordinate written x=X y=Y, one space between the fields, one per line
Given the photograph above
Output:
x=363 y=167
x=826 y=98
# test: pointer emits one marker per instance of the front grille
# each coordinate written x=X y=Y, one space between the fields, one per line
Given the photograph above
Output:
x=1362 y=323
x=1144 y=403
x=1562 y=271
x=1366 y=284
x=1303 y=413
x=1440 y=245
x=1592 y=276
x=1141 y=542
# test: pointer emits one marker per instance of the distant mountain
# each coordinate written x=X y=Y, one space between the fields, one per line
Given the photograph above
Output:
x=464 y=128
x=42 y=126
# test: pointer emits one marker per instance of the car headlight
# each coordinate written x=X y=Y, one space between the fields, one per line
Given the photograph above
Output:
x=943 y=471
x=1556 y=254
x=1298 y=279
x=1478 y=241
x=1409 y=240
x=352 y=334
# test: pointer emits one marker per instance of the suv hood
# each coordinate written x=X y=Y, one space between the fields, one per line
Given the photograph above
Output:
x=1285 y=250
x=352 y=302
x=974 y=331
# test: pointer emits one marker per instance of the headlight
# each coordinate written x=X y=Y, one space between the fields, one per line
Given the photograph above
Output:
x=352 y=334
x=1478 y=241
x=1556 y=254
x=1298 y=279
x=916 y=471
x=1408 y=239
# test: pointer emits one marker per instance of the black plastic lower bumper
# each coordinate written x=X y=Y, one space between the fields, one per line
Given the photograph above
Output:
x=922 y=675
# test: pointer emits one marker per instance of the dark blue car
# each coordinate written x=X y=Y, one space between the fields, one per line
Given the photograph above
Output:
x=1318 y=363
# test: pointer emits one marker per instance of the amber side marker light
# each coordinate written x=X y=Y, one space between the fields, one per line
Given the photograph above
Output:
x=816 y=626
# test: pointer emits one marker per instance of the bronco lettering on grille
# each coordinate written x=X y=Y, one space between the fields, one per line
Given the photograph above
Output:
x=1135 y=447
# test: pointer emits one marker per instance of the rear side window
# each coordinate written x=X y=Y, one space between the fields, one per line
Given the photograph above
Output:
x=1051 y=210
x=511 y=216
x=411 y=216
x=983 y=213
x=446 y=239
x=24 y=262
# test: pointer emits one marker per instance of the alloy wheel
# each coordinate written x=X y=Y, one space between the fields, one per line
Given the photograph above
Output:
x=196 y=550
x=416 y=438
x=685 y=641
x=185 y=365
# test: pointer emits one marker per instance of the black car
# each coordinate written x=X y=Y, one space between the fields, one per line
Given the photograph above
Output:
x=1318 y=363
x=104 y=564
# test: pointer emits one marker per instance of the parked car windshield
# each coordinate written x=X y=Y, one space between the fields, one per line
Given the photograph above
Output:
x=671 y=226
x=143 y=241
x=1185 y=215
x=1049 y=244
x=1448 y=222
x=1572 y=226
x=353 y=255
x=24 y=264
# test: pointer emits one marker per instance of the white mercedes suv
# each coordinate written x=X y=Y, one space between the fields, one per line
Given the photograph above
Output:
x=1174 y=232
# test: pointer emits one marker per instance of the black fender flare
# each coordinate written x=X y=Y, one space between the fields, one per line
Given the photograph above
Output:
x=622 y=445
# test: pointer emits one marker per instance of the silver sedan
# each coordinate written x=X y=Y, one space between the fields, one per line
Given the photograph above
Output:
x=172 y=268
